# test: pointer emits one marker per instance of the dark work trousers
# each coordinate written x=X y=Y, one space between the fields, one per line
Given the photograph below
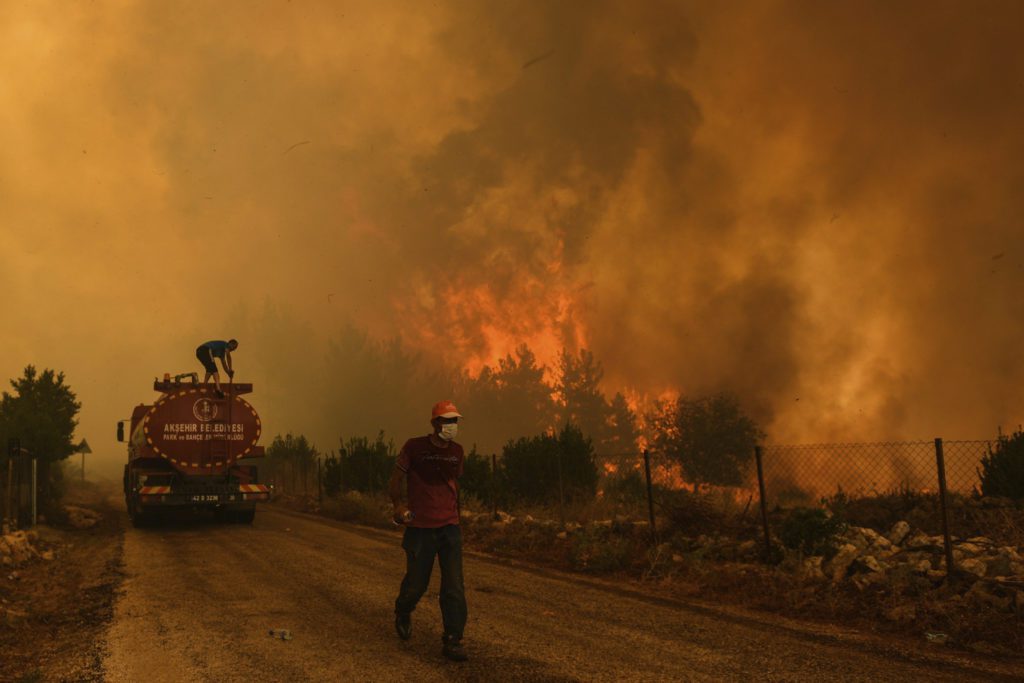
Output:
x=421 y=545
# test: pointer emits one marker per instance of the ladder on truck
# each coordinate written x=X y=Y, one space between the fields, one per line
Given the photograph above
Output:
x=219 y=449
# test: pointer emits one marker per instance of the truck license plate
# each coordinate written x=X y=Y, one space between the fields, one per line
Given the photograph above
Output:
x=204 y=499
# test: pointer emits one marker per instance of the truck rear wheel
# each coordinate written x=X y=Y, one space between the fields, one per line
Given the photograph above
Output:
x=142 y=519
x=244 y=516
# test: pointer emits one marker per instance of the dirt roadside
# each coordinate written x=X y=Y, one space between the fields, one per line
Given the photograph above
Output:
x=315 y=576
x=65 y=604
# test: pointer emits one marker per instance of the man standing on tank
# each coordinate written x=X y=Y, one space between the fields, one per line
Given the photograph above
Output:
x=426 y=477
x=216 y=349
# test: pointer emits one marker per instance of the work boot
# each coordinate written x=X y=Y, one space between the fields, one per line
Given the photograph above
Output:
x=403 y=626
x=453 y=649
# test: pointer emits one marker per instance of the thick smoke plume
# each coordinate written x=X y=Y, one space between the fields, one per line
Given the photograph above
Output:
x=816 y=206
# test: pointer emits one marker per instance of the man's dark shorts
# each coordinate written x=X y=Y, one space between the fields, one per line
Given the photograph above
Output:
x=205 y=357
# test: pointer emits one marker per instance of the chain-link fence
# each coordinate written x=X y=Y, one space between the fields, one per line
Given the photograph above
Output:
x=556 y=478
x=870 y=479
x=803 y=475
x=291 y=477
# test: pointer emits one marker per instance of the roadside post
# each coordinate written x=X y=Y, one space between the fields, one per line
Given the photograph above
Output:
x=561 y=489
x=494 y=486
x=940 y=464
x=35 y=487
x=764 y=504
x=650 y=495
x=83 y=448
x=13 y=449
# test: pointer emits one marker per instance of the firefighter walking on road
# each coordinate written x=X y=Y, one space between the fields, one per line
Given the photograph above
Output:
x=425 y=492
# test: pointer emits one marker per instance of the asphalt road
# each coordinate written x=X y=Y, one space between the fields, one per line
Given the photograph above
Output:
x=198 y=600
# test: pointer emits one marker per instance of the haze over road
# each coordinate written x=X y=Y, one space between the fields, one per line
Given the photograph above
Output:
x=199 y=599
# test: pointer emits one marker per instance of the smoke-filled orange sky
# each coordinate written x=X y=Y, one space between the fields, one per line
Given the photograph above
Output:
x=817 y=206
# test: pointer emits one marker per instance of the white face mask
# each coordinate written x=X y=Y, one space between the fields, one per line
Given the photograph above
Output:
x=448 y=431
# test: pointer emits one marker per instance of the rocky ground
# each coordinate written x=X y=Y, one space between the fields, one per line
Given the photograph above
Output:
x=57 y=586
x=894 y=582
x=891 y=582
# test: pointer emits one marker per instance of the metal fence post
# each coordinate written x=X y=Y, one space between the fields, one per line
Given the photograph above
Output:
x=561 y=489
x=764 y=504
x=7 y=499
x=940 y=463
x=34 y=492
x=494 y=486
x=650 y=495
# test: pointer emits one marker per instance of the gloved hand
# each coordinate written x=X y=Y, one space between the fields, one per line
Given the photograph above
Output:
x=403 y=515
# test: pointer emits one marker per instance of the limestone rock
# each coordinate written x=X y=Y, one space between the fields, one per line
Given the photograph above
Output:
x=839 y=564
x=921 y=566
x=1011 y=553
x=866 y=563
x=998 y=566
x=855 y=538
x=898 y=533
x=974 y=566
x=968 y=549
x=983 y=594
x=810 y=568
x=862 y=581
x=81 y=518
x=919 y=540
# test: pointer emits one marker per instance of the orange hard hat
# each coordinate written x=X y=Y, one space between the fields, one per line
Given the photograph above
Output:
x=444 y=409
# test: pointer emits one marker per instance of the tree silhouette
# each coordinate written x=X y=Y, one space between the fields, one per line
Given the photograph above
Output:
x=581 y=400
x=41 y=414
x=508 y=401
x=710 y=437
x=622 y=432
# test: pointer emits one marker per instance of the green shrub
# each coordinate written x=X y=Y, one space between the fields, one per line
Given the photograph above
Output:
x=355 y=507
x=812 y=531
x=332 y=475
x=881 y=510
x=691 y=513
x=1002 y=470
x=625 y=486
x=600 y=550
x=532 y=467
x=366 y=466
x=476 y=478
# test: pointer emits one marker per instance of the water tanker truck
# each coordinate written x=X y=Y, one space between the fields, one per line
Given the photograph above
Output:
x=193 y=449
